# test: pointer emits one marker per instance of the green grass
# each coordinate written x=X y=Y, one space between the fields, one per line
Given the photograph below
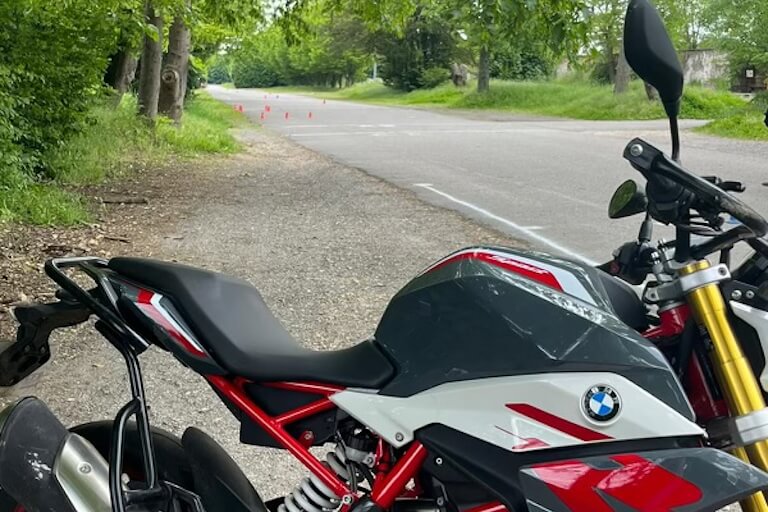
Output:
x=205 y=129
x=115 y=142
x=745 y=125
x=41 y=204
x=571 y=99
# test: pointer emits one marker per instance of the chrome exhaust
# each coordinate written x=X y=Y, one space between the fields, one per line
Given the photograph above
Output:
x=45 y=467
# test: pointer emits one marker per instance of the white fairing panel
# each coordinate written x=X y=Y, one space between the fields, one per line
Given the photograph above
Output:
x=758 y=320
x=521 y=413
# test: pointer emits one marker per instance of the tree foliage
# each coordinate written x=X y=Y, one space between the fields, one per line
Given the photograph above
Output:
x=411 y=57
x=333 y=50
x=48 y=82
x=740 y=27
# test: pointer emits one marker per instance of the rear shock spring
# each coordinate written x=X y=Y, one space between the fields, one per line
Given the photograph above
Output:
x=312 y=495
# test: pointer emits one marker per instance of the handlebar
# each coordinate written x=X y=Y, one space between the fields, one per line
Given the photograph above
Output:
x=676 y=190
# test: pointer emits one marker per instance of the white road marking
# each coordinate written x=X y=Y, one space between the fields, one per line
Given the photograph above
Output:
x=527 y=231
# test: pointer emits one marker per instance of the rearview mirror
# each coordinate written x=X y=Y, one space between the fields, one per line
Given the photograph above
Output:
x=629 y=199
x=651 y=54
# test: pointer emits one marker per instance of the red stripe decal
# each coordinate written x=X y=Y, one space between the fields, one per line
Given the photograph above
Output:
x=524 y=269
x=558 y=423
x=637 y=482
x=144 y=302
x=525 y=443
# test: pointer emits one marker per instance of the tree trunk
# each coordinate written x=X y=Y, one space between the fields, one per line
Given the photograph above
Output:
x=650 y=92
x=151 y=64
x=610 y=64
x=121 y=71
x=173 y=86
x=484 y=70
x=621 y=84
x=126 y=72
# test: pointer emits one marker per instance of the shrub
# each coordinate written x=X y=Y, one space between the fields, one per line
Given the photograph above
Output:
x=253 y=73
x=432 y=77
x=508 y=62
x=53 y=55
x=426 y=44
x=218 y=71
x=760 y=101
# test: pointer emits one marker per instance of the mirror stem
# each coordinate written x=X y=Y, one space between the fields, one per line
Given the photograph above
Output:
x=646 y=230
x=673 y=127
x=682 y=245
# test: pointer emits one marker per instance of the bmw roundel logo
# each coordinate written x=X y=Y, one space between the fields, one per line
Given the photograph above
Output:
x=601 y=403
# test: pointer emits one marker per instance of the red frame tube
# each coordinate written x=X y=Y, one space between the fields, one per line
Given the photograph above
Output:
x=386 y=491
x=306 y=387
x=275 y=429
x=304 y=412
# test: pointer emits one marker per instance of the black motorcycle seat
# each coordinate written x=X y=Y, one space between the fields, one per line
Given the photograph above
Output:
x=243 y=336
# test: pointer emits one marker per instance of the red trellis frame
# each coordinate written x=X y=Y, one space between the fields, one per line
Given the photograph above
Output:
x=388 y=486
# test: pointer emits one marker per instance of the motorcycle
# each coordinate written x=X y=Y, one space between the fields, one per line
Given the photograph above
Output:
x=497 y=380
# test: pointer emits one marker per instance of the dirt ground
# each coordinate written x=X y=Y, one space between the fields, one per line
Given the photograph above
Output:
x=129 y=214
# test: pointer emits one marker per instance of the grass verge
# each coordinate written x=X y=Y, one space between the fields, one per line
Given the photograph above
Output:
x=747 y=125
x=116 y=141
x=572 y=99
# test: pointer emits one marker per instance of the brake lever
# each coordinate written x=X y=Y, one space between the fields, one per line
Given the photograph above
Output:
x=727 y=185
x=733 y=186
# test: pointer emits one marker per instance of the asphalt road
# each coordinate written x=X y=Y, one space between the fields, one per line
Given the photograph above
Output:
x=548 y=180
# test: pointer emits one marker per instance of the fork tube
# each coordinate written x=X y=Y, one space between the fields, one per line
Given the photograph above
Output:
x=742 y=391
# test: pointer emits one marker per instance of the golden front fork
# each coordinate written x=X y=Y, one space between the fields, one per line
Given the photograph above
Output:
x=739 y=384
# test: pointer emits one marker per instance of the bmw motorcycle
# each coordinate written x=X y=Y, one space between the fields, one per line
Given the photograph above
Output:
x=498 y=380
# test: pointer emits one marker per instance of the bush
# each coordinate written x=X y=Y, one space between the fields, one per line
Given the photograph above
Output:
x=760 y=101
x=10 y=151
x=512 y=63
x=426 y=44
x=432 y=77
x=53 y=56
x=253 y=73
x=218 y=71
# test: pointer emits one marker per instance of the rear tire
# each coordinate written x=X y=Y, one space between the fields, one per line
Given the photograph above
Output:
x=172 y=464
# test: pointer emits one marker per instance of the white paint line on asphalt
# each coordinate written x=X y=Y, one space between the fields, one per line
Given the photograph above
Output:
x=527 y=231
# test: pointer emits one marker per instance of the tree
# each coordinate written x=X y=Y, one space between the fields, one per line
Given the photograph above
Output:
x=740 y=28
x=606 y=23
x=173 y=78
x=485 y=22
x=322 y=47
x=426 y=44
x=684 y=21
x=623 y=73
x=151 y=63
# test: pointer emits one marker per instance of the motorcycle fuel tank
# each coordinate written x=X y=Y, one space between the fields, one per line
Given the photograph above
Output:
x=490 y=312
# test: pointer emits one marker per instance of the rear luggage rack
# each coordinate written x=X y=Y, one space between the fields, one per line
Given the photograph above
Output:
x=76 y=305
